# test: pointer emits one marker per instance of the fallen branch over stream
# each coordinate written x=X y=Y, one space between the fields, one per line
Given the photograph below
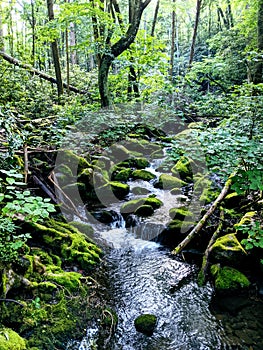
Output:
x=203 y=221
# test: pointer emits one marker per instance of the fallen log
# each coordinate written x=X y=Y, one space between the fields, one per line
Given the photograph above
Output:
x=35 y=71
x=202 y=222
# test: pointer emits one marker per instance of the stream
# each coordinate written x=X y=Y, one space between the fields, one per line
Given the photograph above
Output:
x=145 y=278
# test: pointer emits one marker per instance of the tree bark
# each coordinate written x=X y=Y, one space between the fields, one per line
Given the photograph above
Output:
x=197 y=17
x=202 y=222
x=137 y=8
x=259 y=65
x=55 y=52
x=155 y=17
x=40 y=74
x=172 y=43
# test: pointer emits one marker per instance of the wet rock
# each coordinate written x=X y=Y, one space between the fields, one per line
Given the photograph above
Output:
x=232 y=200
x=145 y=324
x=228 y=280
x=132 y=205
x=140 y=190
x=227 y=249
x=143 y=175
x=144 y=211
x=169 y=182
x=105 y=216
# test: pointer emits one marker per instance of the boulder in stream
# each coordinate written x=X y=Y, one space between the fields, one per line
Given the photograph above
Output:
x=145 y=324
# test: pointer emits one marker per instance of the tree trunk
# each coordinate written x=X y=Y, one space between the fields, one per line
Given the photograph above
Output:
x=197 y=16
x=172 y=43
x=55 y=52
x=33 y=24
x=2 y=45
x=136 y=11
x=155 y=17
x=230 y=14
x=259 y=65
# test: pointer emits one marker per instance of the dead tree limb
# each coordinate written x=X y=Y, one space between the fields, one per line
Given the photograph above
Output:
x=202 y=222
x=40 y=74
x=203 y=270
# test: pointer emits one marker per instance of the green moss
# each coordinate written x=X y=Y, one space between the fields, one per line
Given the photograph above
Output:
x=180 y=225
x=10 y=340
x=168 y=182
x=84 y=228
x=86 y=176
x=144 y=211
x=183 y=168
x=132 y=205
x=122 y=175
x=204 y=188
x=179 y=213
x=69 y=280
x=145 y=324
x=119 y=152
x=246 y=219
x=227 y=249
x=140 y=163
x=119 y=189
x=228 y=278
x=72 y=160
x=143 y=175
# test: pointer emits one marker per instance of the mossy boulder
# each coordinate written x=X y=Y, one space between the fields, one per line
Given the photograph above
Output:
x=73 y=161
x=112 y=190
x=180 y=213
x=179 y=225
x=119 y=189
x=228 y=280
x=227 y=249
x=10 y=340
x=183 y=167
x=146 y=324
x=84 y=228
x=140 y=163
x=131 y=206
x=144 y=211
x=232 y=200
x=143 y=175
x=169 y=182
x=121 y=175
x=86 y=176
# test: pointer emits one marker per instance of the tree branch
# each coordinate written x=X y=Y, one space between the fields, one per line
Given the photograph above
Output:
x=40 y=74
x=202 y=222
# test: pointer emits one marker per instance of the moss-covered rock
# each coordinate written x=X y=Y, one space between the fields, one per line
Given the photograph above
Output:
x=73 y=161
x=84 y=228
x=143 y=175
x=228 y=279
x=178 y=225
x=145 y=324
x=118 y=152
x=140 y=163
x=183 y=167
x=227 y=250
x=130 y=206
x=203 y=187
x=86 y=176
x=232 y=200
x=144 y=211
x=119 y=189
x=169 y=182
x=121 y=175
x=179 y=213
x=10 y=340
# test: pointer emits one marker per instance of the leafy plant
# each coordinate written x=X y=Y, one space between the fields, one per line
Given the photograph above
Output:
x=16 y=206
x=254 y=232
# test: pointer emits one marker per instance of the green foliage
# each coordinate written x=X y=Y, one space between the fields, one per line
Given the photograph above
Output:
x=253 y=230
x=17 y=205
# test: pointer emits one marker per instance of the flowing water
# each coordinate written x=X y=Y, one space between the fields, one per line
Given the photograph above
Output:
x=145 y=278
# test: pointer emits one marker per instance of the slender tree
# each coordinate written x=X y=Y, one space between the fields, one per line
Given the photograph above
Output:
x=197 y=17
x=172 y=42
x=259 y=66
x=136 y=8
x=55 y=51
